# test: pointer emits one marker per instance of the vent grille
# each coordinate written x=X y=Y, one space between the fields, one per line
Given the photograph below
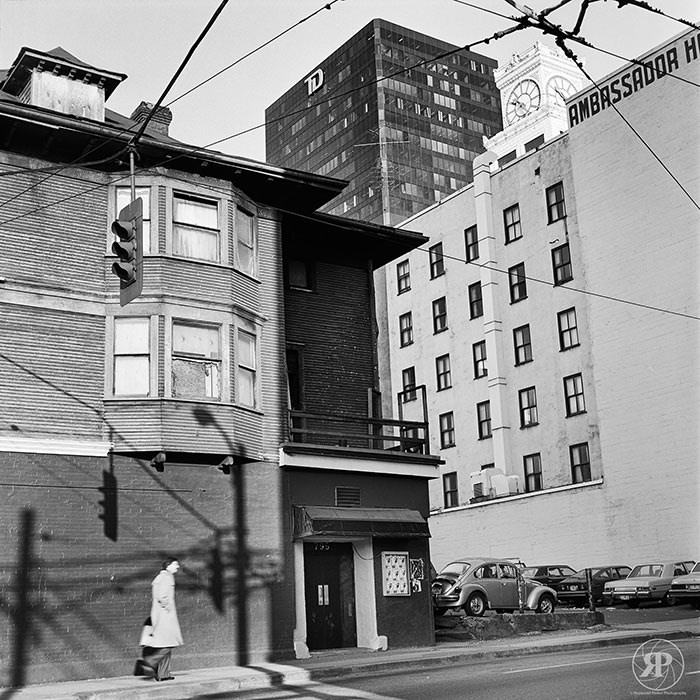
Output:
x=347 y=496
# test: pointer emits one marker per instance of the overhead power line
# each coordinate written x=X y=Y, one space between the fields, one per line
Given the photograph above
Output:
x=327 y=6
x=57 y=169
x=198 y=149
x=647 y=6
x=178 y=72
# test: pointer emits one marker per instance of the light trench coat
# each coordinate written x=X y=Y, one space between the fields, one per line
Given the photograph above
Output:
x=166 y=628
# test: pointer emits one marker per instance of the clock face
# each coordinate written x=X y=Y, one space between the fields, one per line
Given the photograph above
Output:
x=524 y=99
x=558 y=89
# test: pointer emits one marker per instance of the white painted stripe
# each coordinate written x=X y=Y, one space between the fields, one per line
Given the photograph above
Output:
x=691 y=673
x=573 y=663
x=82 y=448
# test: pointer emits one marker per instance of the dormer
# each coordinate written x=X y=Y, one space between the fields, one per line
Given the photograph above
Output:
x=58 y=81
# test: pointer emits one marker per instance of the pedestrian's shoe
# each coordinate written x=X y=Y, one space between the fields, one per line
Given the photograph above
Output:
x=167 y=678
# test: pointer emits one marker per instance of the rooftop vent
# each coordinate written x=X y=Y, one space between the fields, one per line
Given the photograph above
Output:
x=347 y=496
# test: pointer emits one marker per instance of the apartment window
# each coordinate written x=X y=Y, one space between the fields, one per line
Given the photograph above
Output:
x=403 y=276
x=443 y=372
x=479 y=358
x=245 y=241
x=527 y=398
x=532 y=466
x=568 y=329
x=439 y=315
x=406 y=329
x=408 y=381
x=561 y=264
x=295 y=378
x=300 y=274
x=246 y=376
x=517 y=283
x=131 y=357
x=476 y=301
x=471 y=243
x=437 y=262
x=196 y=361
x=195 y=227
x=511 y=222
x=555 y=203
x=573 y=395
x=123 y=199
x=522 y=345
x=580 y=463
x=483 y=419
x=447 y=430
x=449 y=489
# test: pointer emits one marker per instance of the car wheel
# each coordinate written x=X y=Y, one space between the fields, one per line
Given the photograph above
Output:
x=476 y=605
x=545 y=604
x=632 y=603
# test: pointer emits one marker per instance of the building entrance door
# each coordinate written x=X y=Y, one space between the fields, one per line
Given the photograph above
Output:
x=330 y=595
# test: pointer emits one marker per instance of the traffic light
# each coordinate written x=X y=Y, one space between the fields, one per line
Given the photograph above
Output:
x=129 y=249
x=109 y=514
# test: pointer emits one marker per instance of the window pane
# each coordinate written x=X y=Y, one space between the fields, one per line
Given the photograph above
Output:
x=195 y=340
x=244 y=227
x=246 y=387
x=131 y=336
x=195 y=379
x=131 y=375
x=195 y=212
x=142 y=193
x=195 y=243
x=246 y=349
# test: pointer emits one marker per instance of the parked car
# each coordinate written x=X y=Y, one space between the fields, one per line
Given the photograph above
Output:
x=649 y=581
x=477 y=584
x=573 y=590
x=686 y=589
x=550 y=575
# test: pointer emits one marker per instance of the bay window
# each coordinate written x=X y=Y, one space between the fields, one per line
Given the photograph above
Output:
x=131 y=357
x=195 y=227
x=196 y=361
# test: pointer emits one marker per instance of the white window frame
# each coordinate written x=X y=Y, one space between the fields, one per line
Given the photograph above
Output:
x=240 y=211
x=113 y=355
x=248 y=369
x=206 y=198
x=214 y=366
x=150 y=224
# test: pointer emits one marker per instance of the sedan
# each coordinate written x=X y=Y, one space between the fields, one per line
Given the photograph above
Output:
x=573 y=590
x=650 y=581
x=477 y=584
x=686 y=589
x=550 y=575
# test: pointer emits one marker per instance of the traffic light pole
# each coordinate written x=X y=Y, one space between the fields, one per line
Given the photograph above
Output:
x=132 y=173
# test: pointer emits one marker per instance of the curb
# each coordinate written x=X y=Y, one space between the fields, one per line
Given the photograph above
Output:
x=381 y=667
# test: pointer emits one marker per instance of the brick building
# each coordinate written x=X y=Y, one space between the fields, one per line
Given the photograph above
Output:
x=164 y=427
x=553 y=318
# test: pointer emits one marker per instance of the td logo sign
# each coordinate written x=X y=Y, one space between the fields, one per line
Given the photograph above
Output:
x=658 y=664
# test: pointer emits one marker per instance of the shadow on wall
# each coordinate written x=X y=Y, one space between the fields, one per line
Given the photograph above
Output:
x=65 y=598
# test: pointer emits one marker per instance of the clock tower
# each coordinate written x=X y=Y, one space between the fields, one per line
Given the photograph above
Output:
x=534 y=86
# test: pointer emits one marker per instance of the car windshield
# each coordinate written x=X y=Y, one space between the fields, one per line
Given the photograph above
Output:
x=696 y=569
x=455 y=568
x=529 y=571
x=654 y=570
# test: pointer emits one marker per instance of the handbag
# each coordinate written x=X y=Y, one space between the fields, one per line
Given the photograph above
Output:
x=146 y=633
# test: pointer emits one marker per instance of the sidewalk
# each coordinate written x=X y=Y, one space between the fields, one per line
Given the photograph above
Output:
x=345 y=663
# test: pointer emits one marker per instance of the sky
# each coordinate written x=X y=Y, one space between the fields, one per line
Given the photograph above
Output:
x=148 y=39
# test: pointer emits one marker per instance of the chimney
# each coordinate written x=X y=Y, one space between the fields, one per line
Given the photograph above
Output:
x=160 y=121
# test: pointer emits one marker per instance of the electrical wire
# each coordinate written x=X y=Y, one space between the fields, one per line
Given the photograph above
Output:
x=327 y=6
x=646 y=6
x=537 y=280
x=197 y=149
x=131 y=128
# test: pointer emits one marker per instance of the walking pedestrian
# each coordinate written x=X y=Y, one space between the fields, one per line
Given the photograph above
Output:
x=165 y=633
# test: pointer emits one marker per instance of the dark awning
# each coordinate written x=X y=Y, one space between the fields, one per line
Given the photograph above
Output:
x=310 y=521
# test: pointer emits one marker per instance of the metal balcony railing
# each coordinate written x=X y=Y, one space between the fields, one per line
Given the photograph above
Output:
x=367 y=432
